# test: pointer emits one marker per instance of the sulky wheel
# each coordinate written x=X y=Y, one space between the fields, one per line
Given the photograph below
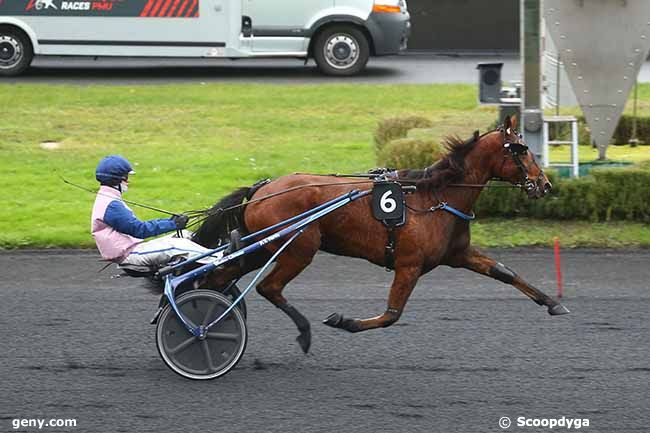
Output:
x=193 y=357
x=231 y=291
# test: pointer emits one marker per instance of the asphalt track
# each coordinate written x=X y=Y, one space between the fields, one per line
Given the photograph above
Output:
x=468 y=350
x=411 y=68
x=404 y=69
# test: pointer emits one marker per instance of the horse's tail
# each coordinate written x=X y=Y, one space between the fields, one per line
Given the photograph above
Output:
x=225 y=216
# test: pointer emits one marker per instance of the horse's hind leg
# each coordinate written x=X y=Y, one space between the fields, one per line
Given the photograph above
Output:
x=289 y=264
x=405 y=279
x=478 y=262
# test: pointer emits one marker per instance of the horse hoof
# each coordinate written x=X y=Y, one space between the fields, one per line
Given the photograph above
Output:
x=304 y=340
x=350 y=325
x=337 y=320
x=558 y=310
x=334 y=320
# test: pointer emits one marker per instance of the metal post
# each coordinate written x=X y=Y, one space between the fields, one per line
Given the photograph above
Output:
x=545 y=145
x=530 y=45
x=634 y=140
x=575 y=163
x=558 y=130
x=557 y=87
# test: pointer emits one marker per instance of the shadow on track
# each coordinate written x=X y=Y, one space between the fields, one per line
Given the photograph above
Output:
x=91 y=72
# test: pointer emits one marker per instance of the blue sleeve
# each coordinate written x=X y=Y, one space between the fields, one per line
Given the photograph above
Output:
x=124 y=221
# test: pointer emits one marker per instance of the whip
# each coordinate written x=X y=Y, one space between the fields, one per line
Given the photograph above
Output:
x=125 y=201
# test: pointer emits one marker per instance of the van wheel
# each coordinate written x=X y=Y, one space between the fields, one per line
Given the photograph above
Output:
x=341 y=50
x=16 y=52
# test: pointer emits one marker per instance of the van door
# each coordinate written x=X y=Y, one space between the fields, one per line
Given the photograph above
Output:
x=280 y=25
x=178 y=28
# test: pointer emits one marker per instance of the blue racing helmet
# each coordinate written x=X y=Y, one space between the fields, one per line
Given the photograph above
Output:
x=111 y=170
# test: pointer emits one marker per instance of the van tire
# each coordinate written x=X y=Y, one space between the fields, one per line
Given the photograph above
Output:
x=16 y=52
x=341 y=50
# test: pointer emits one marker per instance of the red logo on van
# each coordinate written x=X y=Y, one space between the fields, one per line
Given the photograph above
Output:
x=111 y=8
x=171 y=8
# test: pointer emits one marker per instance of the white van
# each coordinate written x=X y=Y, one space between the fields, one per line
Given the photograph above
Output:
x=339 y=34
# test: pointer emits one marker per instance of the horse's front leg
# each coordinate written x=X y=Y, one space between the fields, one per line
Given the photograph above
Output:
x=403 y=284
x=478 y=262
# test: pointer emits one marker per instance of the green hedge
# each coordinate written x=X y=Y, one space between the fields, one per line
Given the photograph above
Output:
x=409 y=152
x=397 y=127
x=605 y=195
x=623 y=131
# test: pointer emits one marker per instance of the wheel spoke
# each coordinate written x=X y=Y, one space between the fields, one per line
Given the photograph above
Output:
x=207 y=354
x=222 y=336
x=189 y=321
x=209 y=316
x=182 y=346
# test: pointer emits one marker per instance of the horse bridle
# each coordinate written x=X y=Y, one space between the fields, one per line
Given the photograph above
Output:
x=516 y=150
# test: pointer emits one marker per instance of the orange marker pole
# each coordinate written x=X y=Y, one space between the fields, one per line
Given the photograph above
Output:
x=558 y=267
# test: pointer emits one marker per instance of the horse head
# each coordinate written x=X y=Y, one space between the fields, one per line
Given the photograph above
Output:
x=515 y=163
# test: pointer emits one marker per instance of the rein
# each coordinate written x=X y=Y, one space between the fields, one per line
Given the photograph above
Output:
x=372 y=176
x=204 y=214
x=442 y=205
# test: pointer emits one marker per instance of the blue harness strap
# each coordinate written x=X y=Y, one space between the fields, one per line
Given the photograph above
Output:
x=444 y=206
x=451 y=210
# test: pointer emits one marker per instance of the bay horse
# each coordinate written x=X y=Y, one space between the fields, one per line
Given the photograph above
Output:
x=427 y=239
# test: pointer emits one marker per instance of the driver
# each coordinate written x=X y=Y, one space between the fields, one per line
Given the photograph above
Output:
x=119 y=234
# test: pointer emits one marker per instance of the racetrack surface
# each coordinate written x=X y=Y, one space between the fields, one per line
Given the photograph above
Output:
x=403 y=69
x=467 y=351
x=411 y=68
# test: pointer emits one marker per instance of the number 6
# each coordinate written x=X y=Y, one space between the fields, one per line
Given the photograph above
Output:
x=387 y=204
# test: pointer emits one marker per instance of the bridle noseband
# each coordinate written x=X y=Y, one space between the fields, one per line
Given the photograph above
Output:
x=516 y=150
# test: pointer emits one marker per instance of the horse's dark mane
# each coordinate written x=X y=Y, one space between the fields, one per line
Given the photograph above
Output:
x=449 y=169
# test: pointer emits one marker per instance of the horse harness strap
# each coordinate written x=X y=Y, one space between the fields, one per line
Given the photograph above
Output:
x=389 y=207
x=516 y=149
x=444 y=206
x=389 y=250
